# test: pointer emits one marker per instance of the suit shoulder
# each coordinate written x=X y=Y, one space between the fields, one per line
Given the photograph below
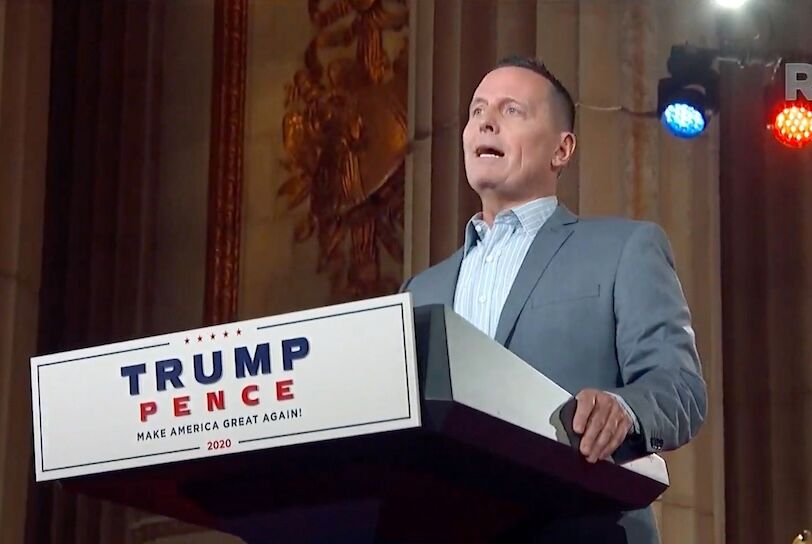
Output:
x=617 y=227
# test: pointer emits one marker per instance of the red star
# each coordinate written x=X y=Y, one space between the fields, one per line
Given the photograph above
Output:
x=187 y=340
x=238 y=332
x=199 y=338
x=212 y=336
x=225 y=334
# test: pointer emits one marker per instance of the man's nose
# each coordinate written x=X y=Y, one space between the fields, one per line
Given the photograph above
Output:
x=488 y=123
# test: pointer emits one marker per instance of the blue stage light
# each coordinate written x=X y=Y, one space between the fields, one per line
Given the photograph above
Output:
x=683 y=120
x=687 y=99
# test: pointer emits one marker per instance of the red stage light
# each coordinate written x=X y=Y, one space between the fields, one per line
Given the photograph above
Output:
x=792 y=124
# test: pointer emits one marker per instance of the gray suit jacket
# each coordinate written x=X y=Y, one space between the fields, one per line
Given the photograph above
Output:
x=597 y=304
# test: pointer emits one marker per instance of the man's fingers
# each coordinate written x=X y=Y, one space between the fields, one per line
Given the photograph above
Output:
x=617 y=439
x=622 y=428
x=586 y=402
x=596 y=423
x=612 y=435
x=602 y=423
x=604 y=438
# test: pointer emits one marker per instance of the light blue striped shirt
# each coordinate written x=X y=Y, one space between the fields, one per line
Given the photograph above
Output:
x=492 y=257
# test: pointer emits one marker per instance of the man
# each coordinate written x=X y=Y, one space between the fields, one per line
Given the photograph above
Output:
x=594 y=304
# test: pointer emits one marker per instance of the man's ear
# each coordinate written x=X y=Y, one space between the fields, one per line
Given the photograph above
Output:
x=564 y=151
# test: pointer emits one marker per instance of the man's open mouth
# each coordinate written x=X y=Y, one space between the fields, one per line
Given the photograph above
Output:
x=489 y=152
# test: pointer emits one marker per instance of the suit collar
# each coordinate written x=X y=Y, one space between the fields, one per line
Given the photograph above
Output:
x=562 y=216
x=529 y=216
x=549 y=239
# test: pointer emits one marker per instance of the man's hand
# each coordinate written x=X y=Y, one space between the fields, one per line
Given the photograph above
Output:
x=602 y=423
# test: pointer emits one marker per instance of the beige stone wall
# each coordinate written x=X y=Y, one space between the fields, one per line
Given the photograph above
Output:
x=609 y=54
x=276 y=275
x=181 y=197
x=25 y=39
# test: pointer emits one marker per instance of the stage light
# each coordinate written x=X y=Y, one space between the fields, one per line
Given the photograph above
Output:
x=684 y=114
x=792 y=124
x=789 y=121
x=730 y=4
x=686 y=100
x=683 y=120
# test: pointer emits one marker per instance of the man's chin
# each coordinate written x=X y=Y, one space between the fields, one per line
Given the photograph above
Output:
x=486 y=184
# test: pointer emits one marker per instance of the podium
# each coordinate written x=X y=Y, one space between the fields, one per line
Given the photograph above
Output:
x=491 y=452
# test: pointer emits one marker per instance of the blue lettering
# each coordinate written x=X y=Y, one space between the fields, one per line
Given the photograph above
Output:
x=132 y=372
x=293 y=349
x=245 y=363
x=216 y=373
x=168 y=371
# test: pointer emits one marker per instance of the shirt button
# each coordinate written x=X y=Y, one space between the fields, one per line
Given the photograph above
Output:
x=482 y=299
x=489 y=258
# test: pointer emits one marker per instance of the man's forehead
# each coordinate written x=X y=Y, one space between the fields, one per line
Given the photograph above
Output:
x=513 y=81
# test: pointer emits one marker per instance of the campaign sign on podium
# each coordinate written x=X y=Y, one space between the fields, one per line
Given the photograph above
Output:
x=308 y=376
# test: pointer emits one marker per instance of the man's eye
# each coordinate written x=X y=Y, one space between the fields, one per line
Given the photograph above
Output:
x=476 y=111
x=512 y=110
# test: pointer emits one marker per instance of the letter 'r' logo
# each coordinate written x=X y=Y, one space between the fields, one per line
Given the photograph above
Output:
x=798 y=78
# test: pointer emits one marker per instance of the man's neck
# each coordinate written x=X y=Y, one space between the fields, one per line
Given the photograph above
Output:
x=491 y=208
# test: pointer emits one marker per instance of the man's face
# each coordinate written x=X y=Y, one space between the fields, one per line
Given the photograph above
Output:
x=512 y=136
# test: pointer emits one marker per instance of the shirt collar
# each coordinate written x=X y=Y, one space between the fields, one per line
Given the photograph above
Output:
x=530 y=217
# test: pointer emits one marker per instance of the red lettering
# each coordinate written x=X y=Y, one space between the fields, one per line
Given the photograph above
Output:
x=181 y=406
x=147 y=409
x=215 y=400
x=283 y=391
x=248 y=389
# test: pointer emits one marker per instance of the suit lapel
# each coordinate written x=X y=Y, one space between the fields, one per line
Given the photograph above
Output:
x=449 y=271
x=549 y=239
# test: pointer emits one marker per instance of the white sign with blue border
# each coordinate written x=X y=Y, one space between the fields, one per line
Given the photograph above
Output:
x=307 y=376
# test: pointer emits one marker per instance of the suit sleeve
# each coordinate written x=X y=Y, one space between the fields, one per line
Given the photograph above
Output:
x=655 y=343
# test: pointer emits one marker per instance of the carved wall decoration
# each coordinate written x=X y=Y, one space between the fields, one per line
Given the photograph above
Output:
x=226 y=161
x=345 y=138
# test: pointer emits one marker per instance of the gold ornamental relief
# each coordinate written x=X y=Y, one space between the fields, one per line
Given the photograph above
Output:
x=345 y=138
x=803 y=536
